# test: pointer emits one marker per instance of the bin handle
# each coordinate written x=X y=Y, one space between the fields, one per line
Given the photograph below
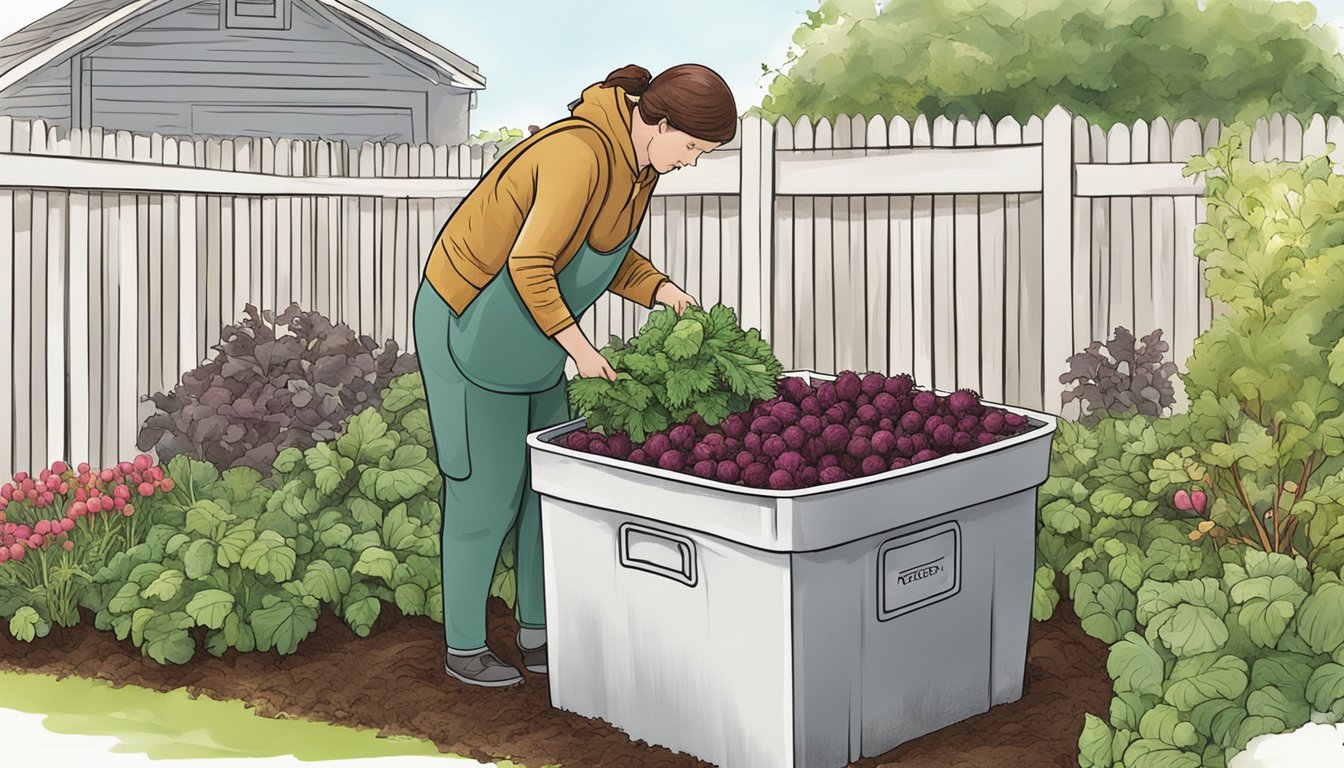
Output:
x=669 y=555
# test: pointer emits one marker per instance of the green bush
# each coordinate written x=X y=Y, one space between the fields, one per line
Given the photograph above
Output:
x=1206 y=547
x=230 y=560
x=1109 y=62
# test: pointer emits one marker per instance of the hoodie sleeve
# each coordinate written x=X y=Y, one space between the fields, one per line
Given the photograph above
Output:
x=637 y=279
x=566 y=174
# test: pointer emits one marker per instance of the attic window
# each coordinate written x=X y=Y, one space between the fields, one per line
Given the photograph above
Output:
x=256 y=14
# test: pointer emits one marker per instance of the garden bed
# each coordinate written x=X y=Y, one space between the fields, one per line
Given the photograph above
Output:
x=393 y=681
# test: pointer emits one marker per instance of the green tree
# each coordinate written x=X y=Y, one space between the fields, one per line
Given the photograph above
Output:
x=1110 y=62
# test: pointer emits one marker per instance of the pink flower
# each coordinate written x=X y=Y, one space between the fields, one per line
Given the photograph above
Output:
x=1183 y=500
x=1197 y=500
x=67 y=525
x=67 y=545
x=146 y=489
x=84 y=468
x=16 y=551
x=143 y=462
x=42 y=527
x=128 y=510
x=107 y=476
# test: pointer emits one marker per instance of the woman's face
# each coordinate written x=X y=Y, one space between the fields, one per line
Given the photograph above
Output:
x=672 y=149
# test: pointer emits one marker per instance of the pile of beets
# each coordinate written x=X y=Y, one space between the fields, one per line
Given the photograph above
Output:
x=809 y=435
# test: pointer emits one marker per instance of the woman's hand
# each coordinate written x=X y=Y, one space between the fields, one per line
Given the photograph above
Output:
x=674 y=297
x=590 y=363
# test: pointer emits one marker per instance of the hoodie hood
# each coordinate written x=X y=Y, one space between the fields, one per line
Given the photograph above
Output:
x=605 y=107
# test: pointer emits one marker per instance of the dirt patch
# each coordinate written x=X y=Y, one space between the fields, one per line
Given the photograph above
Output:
x=393 y=681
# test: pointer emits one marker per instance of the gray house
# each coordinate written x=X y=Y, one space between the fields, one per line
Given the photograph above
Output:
x=333 y=69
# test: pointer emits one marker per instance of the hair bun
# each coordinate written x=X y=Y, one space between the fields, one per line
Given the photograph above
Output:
x=632 y=77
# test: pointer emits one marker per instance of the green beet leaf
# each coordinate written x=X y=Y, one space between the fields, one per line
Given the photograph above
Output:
x=376 y=562
x=1325 y=690
x=1151 y=753
x=1163 y=723
x=234 y=543
x=165 y=586
x=166 y=638
x=198 y=559
x=1320 y=621
x=410 y=598
x=1094 y=745
x=208 y=608
x=1134 y=666
x=1197 y=679
x=27 y=625
x=1044 y=598
x=270 y=555
x=282 y=623
x=325 y=582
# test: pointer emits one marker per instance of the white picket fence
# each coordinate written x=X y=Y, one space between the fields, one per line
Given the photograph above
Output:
x=966 y=253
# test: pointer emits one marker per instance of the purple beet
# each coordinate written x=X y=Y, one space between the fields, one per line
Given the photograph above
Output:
x=873 y=465
x=780 y=480
x=962 y=442
x=682 y=436
x=926 y=403
x=832 y=475
x=943 y=436
x=756 y=475
x=795 y=437
x=899 y=386
x=884 y=442
x=847 y=386
x=836 y=438
x=786 y=413
x=923 y=456
x=873 y=384
x=806 y=477
x=705 y=469
x=826 y=395
x=790 y=461
x=793 y=389
x=811 y=406
x=912 y=421
x=672 y=461
x=728 y=472
x=734 y=426
x=774 y=446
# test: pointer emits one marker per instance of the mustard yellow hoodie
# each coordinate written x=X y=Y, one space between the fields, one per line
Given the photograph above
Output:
x=574 y=181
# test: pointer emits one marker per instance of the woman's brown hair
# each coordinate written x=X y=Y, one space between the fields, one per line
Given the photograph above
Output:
x=692 y=98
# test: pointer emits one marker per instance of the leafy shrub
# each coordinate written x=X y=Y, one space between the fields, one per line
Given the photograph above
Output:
x=275 y=383
x=1266 y=380
x=1127 y=378
x=702 y=362
x=1212 y=643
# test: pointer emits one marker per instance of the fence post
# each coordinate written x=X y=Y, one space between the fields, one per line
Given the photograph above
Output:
x=1056 y=252
x=757 y=190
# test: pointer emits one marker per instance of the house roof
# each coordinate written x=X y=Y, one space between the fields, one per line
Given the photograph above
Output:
x=72 y=27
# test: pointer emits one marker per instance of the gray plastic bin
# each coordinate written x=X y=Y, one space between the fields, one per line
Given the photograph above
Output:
x=809 y=628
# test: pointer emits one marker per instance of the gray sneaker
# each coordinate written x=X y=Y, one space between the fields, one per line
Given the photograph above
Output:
x=534 y=659
x=484 y=669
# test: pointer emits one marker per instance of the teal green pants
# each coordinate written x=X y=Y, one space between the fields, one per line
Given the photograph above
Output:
x=480 y=438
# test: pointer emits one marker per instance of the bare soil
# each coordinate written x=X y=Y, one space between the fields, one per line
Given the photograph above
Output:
x=393 y=681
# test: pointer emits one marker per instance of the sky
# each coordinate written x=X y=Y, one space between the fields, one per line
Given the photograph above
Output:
x=541 y=54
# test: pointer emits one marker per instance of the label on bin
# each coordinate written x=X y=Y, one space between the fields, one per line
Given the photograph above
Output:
x=918 y=570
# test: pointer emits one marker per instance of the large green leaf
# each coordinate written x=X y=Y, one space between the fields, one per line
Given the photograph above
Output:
x=361 y=613
x=208 y=517
x=377 y=562
x=209 y=607
x=1197 y=679
x=235 y=542
x=685 y=340
x=1320 y=620
x=270 y=555
x=1107 y=614
x=166 y=638
x=366 y=439
x=165 y=586
x=325 y=582
x=1163 y=723
x=1325 y=690
x=1094 y=744
x=282 y=623
x=410 y=598
x=1135 y=666
x=1044 y=598
x=27 y=625
x=199 y=558
x=1151 y=753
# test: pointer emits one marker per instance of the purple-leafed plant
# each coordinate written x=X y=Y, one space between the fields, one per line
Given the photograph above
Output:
x=1129 y=377
x=276 y=382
